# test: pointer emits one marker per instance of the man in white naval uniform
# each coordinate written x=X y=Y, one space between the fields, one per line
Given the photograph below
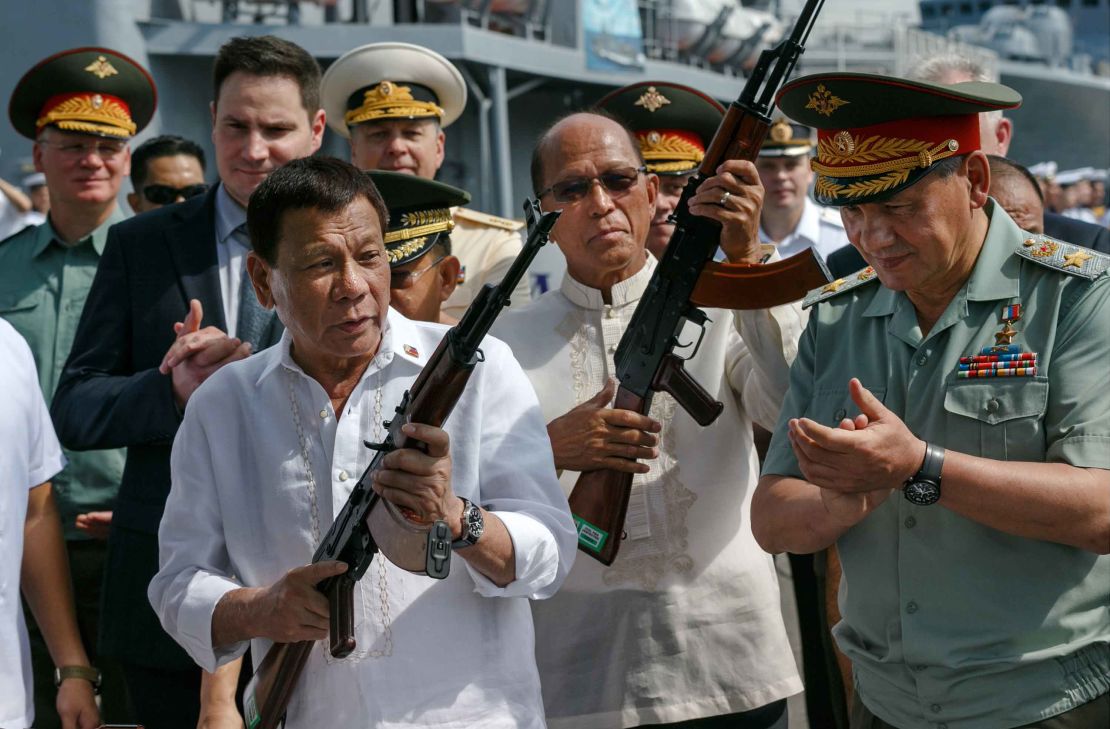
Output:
x=791 y=221
x=685 y=624
x=392 y=101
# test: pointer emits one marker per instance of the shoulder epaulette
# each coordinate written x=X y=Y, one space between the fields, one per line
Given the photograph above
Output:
x=493 y=221
x=839 y=286
x=1064 y=257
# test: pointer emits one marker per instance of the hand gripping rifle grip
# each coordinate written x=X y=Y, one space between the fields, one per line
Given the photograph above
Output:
x=341 y=601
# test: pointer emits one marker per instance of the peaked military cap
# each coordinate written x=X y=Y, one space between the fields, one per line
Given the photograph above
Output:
x=419 y=213
x=391 y=81
x=877 y=135
x=673 y=123
x=88 y=90
x=787 y=139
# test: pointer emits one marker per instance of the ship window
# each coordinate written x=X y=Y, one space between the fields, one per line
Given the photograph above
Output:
x=985 y=6
x=1064 y=3
x=928 y=11
x=1090 y=3
x=965 y=8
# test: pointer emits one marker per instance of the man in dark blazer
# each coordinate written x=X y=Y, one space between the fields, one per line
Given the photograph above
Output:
x=156 y=325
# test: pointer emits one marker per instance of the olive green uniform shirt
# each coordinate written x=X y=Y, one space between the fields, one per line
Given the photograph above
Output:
x=951 y=624
x=43 y=285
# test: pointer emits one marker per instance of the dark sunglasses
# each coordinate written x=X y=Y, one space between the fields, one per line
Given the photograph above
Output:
x=615 y=182
x=165 y=195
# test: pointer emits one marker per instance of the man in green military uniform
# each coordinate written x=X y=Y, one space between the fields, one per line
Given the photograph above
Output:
x=80 y=108
x=673 y=125
x=422 y=272
x=392 y=101
x=962 y=368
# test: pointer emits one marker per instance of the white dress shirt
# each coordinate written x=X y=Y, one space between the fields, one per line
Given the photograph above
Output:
x=686 y=622
x=29 y=455
x=429 y=653
x=231 y=254
x=819 y=228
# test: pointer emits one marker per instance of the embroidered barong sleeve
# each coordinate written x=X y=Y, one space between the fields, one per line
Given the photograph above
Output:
x=759 y=358
x=521 y=491
x=194 y=570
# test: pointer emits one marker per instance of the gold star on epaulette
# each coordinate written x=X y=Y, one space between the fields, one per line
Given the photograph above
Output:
x=839 y=286
x=1077 y=259
x=833 y=285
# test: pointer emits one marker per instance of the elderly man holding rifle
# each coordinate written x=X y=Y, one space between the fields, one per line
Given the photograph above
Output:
x=268 y=452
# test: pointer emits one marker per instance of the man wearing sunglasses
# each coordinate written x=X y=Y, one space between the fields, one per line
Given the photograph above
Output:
x=685 y=625
x=422 y=271
x=165 y=170
x=80 y=107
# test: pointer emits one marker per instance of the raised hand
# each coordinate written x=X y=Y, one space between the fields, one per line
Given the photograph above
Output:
x=593 y=436
x=737 y=212
x=196 y=353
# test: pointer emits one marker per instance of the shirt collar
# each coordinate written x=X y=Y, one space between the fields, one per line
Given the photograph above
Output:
x=995 y=275
x=624 y=292
x=808 y=228
x=397 y=329
x=230 y=215
x=45 y=233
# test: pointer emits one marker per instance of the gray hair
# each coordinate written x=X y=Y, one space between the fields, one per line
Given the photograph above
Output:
x=953 y=67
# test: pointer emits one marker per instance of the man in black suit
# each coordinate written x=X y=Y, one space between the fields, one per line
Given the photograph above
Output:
x=140 y=349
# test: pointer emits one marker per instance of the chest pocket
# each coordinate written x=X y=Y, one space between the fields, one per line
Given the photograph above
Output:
x=24 y=310
x=829 y=407
x=1004 y=418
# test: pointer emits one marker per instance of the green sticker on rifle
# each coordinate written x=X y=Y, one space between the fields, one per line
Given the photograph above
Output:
x=250 y=706
x=590 y=536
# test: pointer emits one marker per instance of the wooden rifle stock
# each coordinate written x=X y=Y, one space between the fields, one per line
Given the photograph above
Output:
x=687 y=278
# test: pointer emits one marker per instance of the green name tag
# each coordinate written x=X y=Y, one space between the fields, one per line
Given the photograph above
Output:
x=250 y=707
x=589 y=536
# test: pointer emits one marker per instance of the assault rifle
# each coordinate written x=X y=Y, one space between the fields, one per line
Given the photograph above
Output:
x=686 y=278
x=369 y=524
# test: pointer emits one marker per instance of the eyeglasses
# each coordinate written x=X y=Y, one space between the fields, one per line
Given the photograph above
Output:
x=164 y=194
x=105 y=149
x=616 y=182
x=407 y=279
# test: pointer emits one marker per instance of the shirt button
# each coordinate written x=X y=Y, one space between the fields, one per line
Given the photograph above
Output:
x=922 y=359
x=612 y=348
x=343 y=476
x=608 y=313
x=840 y=414
x=911 y=607
x=935 y=708
x=324 y=414
x=910 y=522
x=993 y=405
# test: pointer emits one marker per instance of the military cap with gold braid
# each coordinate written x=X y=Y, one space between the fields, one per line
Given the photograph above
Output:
x=87 y=90
x=382 y=81
x=877 y=135
x=673 y=123
x=787 y=139
x=419 y=213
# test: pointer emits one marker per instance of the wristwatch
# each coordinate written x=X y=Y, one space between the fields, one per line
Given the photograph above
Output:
x=473 y=524
x=87 y=673
x=923 y=488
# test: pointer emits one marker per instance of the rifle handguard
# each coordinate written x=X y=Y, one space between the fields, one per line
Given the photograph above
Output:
x=745 y=286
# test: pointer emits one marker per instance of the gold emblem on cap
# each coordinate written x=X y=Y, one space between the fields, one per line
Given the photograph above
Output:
x=652 y=100
x=385 y=88
x=824 y=102
x=389 y=100
x=668 y=152
x=101 y=68
x=97 y=101
x=91 y=114
x=653 y=138
x=781 y=131
x=844 y=143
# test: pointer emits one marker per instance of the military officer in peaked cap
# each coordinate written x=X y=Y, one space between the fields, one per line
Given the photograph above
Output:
x=392 y=101
x=80 y=107
x=423 y=272
x=946 y=425
x=790 y=220
x=673 y=124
